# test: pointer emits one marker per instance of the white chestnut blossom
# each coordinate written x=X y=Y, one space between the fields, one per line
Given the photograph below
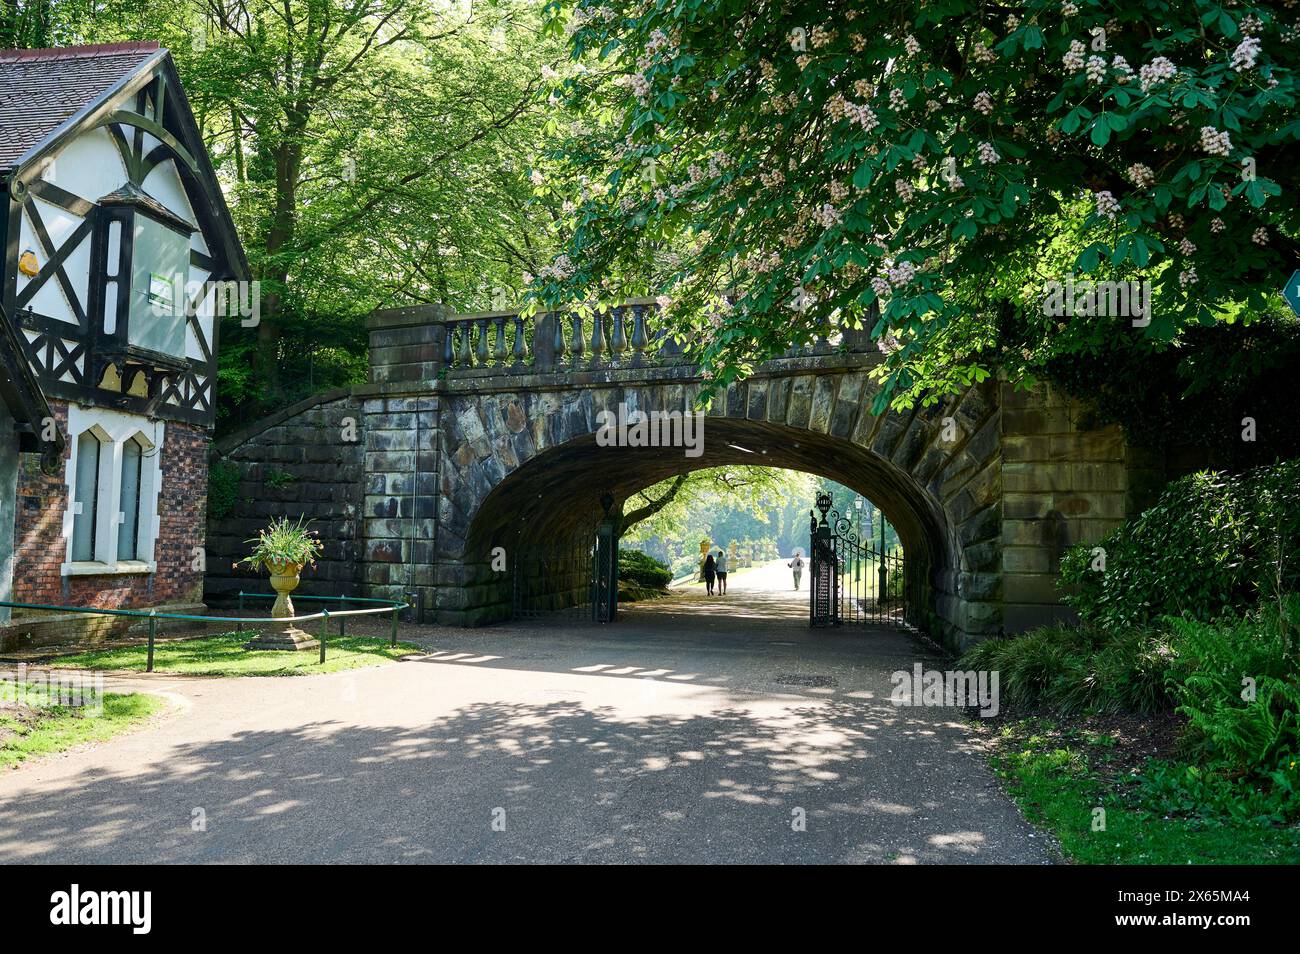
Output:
x=983 y=102
x=1141 y=175
x=1159 y=70
x=1260 y=236
x=828 y=216
x=1215 y=142
x=1188 y=277
x=1186 y=246
x=1217 y=225
x=1243 y=57
x=1106 y=204
x=1096 y=69
x=988 y=155
x=912 y=45
x=904 y=189
x=863 y=115
x=901 y=274
x=1120 y=65
x=1073 y=60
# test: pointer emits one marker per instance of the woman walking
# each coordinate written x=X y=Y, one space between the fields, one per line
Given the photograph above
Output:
x=797 y=565
x=710 y=572
x=720 y=565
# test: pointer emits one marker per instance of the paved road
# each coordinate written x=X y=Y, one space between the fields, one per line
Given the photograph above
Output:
x=681 y=734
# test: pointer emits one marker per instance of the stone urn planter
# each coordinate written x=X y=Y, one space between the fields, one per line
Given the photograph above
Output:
x=283 y=549
x=285 y=578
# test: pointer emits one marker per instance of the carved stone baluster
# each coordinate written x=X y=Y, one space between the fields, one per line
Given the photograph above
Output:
x=597 y=338
x=521 y=345
x=499 y=345
x=639 y=339
x=560 y=346
x=448 y=345
x=579 y=346
x=481 y=352
x=618 y=340
x=466 y=355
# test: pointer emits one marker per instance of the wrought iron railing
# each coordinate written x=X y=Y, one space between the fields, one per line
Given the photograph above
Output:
x=150 y=617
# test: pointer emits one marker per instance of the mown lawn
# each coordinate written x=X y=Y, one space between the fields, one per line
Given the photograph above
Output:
x=224 y=655
x=1059 y=778
x=42 y=730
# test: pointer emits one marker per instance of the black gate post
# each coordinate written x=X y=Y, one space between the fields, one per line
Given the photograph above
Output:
x=604 y=597
x=604 y=565
x=823 y=590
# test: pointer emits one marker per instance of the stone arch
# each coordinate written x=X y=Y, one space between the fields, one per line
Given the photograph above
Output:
x=525 y=467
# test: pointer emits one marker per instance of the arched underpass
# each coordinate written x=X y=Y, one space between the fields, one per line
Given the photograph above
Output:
x=479 y=431
x=544 y=515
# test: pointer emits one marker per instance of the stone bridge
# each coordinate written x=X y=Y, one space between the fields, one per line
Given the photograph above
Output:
x=479 y=431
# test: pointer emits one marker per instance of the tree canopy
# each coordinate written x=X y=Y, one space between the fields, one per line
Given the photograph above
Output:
x=769 y=167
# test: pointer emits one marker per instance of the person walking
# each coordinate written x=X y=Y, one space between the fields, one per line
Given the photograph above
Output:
x=721 y=566
x=710 y=571
x=797 y=565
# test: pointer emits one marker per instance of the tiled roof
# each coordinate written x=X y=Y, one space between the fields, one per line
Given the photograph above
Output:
x=41 y=89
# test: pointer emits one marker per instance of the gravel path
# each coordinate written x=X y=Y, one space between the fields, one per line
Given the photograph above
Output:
x=680 y=734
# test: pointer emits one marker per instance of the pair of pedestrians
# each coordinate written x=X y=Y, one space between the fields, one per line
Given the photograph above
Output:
x=715 y=572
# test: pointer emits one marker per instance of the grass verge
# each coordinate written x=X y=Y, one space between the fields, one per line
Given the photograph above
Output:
x=43 y=730
x=224 y=655
x=1060 y=776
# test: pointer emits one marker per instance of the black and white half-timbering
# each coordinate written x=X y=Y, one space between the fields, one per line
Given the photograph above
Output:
x=119 y=261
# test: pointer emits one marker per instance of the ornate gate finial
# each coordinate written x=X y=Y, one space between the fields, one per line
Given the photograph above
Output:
x=824 y=505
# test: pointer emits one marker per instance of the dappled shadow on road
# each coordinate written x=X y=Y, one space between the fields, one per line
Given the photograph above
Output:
x=566 y=781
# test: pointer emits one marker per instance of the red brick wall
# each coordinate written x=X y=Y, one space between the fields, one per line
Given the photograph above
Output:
x=40 y=548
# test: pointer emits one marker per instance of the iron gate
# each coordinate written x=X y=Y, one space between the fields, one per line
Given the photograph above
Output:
x=574 y=580
x=852 y=581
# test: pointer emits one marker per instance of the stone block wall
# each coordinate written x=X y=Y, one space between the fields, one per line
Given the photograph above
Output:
x=306 y=461
x=1064 y=482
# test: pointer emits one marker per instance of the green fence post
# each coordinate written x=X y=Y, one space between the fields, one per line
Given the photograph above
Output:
x=343 y=625
x=394 y=627
x=153 y=623
x=325 y=630
x=241 y=602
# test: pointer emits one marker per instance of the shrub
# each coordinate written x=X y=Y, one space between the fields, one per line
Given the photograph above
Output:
x=1189 y=791
x=1238 y=684
x=638 y=567
x=1078 y=669
x=283 y=542
x=223 y=488
x=1198 y=553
